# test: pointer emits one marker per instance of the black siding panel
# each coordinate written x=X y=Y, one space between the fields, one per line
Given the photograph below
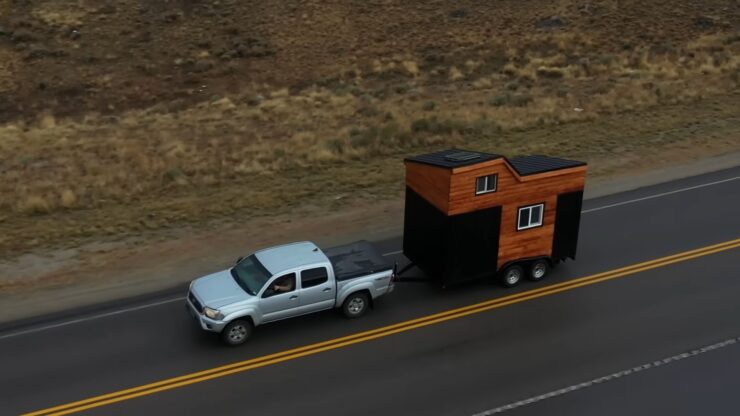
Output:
x=424 y=234
x=450 y=249
x=567 y=222
x=473 y=244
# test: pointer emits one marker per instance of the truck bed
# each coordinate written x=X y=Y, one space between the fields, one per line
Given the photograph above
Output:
x=356 y=259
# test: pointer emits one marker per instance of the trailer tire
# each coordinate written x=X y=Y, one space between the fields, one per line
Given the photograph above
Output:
x=237 y=332
x=538 y=270
x=512 y=275
x=355 y=305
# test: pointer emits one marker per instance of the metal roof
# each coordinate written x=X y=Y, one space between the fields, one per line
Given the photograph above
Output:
x=530 y=165
x=289 y=256
x=453 y=158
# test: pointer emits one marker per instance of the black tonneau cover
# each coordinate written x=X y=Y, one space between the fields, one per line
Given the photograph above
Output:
x=356 y=259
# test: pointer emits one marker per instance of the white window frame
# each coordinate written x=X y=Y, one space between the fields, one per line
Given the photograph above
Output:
x=487 y=179
x=528 y=210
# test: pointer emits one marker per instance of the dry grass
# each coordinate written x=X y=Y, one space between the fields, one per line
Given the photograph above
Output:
x=101 y=160
x=225 y=136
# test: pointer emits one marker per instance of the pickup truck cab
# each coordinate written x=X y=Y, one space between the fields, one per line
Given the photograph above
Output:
x=287 y=281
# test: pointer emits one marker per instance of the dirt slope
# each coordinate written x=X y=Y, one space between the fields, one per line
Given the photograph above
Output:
x=132 y=118
x=107 y=56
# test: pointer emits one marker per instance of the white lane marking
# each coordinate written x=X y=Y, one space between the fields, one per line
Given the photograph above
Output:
x=103 y=315
x=631 y=201
x=610 y=377
x=89 y=318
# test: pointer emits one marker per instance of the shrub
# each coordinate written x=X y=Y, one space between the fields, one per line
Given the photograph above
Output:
x=550 y=73
x=336 y=146
x=420 y=125
x=34 y=205
x=434 y=126
x=508 y=99
x=363 y=138
x=173 y=174
x=500 y=100
x=512 y=86
x=69 y=199
x=521 y=100
x=459 y=14
x=368 y=111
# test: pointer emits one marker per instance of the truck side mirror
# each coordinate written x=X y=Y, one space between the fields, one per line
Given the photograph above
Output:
x=268 y=292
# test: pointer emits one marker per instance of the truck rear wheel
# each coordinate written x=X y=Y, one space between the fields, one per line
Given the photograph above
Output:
x=237 y=332
x=538 y=270
x=355 y=305
x=512 y=275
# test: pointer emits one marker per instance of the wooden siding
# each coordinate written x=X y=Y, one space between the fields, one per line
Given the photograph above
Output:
x=510 y=188
x=532 y=242
x=431 y=182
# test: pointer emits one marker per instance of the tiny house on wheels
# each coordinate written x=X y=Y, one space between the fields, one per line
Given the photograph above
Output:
x=473 y=214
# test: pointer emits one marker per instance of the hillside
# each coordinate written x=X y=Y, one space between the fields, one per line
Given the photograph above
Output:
x=126 y=117
x=111 y=56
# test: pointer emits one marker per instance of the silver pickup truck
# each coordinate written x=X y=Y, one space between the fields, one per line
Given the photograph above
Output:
x=286 y=281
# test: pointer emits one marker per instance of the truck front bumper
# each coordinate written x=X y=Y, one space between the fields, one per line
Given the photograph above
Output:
x=203 y=321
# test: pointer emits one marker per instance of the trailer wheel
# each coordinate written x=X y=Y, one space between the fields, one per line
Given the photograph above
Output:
x=237 y=332
x=512 y=275
x=538 y=270
x=355 y=305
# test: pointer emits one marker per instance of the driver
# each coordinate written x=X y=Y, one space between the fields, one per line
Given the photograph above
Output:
x=284 y=285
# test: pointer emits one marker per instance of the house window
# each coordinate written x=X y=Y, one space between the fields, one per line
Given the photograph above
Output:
x=486 y=184
x=530 y=217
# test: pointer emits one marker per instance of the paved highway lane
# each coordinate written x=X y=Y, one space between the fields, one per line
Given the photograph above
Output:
x=77 y=361
x=464 y=366
x=683 y=384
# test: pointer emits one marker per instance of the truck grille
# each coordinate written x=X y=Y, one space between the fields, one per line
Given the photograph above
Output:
x=194 y=301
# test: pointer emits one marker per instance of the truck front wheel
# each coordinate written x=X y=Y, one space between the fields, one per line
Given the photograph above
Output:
x=237 y=332
x=512 y=275
x=355 y=305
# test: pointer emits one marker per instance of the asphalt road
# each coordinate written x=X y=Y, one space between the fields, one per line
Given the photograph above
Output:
x=459 y=367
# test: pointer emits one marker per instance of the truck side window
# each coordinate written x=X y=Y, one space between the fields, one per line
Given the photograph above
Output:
x=313 y=277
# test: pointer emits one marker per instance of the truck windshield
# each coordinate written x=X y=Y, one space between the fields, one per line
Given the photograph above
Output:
x=250 y=275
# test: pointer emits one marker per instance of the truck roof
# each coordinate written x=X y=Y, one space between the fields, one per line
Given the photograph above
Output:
x=288 y=256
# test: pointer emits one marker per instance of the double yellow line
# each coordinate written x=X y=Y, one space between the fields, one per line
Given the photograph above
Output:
x=293 y=354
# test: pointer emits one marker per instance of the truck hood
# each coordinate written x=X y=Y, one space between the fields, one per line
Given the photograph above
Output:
x=218 y=289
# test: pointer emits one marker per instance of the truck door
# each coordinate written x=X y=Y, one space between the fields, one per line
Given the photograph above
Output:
x=280 y=299
x=317 y=290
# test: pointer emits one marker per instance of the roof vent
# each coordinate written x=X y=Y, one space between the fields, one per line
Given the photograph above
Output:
x=462 y=156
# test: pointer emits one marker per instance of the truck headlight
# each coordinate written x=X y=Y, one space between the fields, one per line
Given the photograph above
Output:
x=213 y=313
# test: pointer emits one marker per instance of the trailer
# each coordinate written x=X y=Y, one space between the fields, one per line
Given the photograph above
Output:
x=472 y=214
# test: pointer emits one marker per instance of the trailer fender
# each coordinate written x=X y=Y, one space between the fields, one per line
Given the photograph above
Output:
x=524 y=262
